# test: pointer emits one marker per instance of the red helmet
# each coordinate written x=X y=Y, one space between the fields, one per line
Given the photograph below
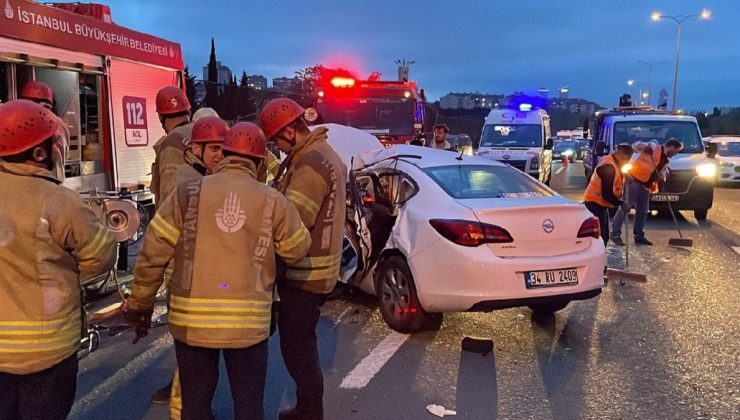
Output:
x=247 y=139
x=209 y=130
x=171 y=100
x=23 y=125
x=37 y=91
x=277 y=114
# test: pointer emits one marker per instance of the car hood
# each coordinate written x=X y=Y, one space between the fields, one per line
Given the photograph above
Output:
x=349 y=141
x=687 y=161
x=731 y=159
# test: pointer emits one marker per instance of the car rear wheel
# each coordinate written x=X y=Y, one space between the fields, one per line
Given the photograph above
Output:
x=547 y=308
x=398 y=301
x=701 y=214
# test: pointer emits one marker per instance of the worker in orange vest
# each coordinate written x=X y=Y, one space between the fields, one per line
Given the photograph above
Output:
x=49 y=241
x=605 y=188
x=647 y=166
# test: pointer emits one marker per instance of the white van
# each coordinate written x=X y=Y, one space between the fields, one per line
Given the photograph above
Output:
x=521 y=138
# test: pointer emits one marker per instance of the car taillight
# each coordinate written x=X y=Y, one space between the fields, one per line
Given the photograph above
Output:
x=590 y=227
x=466 y=233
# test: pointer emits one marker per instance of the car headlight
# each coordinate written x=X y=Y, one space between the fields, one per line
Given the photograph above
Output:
x=707 y=170
x=568 y=152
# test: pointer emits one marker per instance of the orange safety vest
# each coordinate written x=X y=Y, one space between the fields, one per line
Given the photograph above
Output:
x=645 y=163
x=593 y=191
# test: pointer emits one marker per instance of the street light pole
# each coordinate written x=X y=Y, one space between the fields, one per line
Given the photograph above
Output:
x=679 y=19
x=650 y=77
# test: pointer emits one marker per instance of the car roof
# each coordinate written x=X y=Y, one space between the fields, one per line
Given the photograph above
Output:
x=427 y=157
x=649 y=117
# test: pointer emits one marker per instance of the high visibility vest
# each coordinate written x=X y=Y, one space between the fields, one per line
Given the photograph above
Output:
x=594 y=189
x=644 y=164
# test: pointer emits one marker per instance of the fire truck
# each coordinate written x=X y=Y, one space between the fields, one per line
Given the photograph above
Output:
x=393 y=111
x=104 y=78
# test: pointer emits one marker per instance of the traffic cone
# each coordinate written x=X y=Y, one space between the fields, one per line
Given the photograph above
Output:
x=565 y=160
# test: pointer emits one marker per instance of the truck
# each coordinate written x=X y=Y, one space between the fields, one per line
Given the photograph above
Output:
x=519 y=136
x=104 y=78
x=396 y=112
x=692 y=173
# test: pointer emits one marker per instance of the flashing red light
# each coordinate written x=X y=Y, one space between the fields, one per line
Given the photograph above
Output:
x=342 y=82
x=472 y=234
x=590 y=228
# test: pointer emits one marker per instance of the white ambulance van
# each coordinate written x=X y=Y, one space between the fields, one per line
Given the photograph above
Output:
x=521 y=138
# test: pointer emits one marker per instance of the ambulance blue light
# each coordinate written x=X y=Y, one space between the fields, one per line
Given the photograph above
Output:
x=525 y=107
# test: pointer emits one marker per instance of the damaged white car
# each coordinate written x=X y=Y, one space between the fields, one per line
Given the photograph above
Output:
x=433 y=231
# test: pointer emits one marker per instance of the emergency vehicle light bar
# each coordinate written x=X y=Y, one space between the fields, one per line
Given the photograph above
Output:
x=342 y=82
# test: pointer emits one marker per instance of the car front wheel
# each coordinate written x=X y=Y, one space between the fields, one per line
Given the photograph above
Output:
x=398 y=301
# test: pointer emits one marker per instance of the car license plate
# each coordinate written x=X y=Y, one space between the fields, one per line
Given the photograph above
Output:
x=664 y=197
x=551 y=278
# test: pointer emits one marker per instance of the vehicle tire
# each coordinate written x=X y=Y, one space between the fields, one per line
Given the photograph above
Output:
x=547 y=308
x=701 y=215
x=397 y=298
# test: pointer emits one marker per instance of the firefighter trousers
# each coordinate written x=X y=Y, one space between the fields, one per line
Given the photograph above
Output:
x=298 y=315
x=198 y=370
x=47 y=395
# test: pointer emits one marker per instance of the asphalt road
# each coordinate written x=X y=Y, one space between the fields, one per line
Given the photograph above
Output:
x=668 y=349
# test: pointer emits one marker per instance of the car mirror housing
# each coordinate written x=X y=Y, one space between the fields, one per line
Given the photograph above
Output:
x=711 y=150
x=600 y=148
x=548 y=144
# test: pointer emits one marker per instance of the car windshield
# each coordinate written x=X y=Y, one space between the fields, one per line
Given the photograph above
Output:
x=728 y=149
x=520 y=135
x=485 y=181
x=565 y=145
x=685 y=131
x=369 y=114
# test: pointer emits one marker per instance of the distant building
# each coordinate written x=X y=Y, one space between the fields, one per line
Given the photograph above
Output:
x=574 y=105
x=284 y=84
x=257 y=81
x=224 y=74
x=469 y=100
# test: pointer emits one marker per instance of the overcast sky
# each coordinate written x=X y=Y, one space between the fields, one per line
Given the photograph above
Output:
x=489 y=46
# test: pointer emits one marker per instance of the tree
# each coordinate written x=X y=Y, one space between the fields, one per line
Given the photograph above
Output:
x=244 y=82
x=189 y=86
x=309 y=78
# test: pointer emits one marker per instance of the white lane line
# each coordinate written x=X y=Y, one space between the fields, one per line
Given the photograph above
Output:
x=339 y=318
x=124 y=375
x=562 y=168
x=371 y=365
x=737 y=249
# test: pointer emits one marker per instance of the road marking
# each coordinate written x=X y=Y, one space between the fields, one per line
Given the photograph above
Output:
x=339 y=318
x=100 y=393
x=371 y=365
x=737 y=249
x=562 y=168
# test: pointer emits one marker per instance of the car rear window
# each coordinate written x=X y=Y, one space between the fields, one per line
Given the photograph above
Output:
x=484 y=181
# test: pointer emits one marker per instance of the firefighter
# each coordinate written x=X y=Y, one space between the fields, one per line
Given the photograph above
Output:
x=440 y=137
x=173 y=108
x=605 y=188
x=49 y=241
x=223 y=231
x=312 y=177
x=38 y=92
x=647 y=166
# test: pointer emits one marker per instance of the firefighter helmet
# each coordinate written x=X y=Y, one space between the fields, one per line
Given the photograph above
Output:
x=209 y=130
x=172 y=100
x=204 y=112
x=38 y=92
x=23 y=125
x=277 y=114
x=247 y=139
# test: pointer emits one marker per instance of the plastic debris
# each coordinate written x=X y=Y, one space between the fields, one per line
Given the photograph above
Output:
x=440 y=411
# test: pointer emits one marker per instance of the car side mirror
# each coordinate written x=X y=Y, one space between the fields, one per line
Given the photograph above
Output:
x=548 y=144
x=600 y=148
x=711 y=150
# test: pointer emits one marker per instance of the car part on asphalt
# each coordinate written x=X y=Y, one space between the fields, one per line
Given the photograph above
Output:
x=626 y=275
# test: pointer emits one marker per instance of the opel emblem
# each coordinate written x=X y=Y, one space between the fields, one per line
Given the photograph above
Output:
x=548 y=226
x=506 y=157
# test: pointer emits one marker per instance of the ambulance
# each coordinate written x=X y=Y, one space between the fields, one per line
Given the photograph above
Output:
x=519 y=136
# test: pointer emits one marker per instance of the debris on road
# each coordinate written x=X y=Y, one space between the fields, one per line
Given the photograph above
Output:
x=440 y=411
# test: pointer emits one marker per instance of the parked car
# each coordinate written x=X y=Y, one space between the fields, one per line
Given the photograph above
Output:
x=461 y=143
x=431 y=232
x=567 y=148
x=728 y=157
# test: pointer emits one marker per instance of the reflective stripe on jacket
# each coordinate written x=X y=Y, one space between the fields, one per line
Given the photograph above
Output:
x=224 y=231
x=594 y=190
x=314 y=179
x=169 y=155
x=49 y=241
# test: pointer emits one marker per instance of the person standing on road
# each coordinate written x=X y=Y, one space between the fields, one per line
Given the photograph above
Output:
x=604 y=190
x=173 y=108
x=647 y=166
x=223 y=231
x=313 y=177
x=49 y=241
x=440 y=137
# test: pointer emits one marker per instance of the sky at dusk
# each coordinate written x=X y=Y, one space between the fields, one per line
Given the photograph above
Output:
x=488 y=46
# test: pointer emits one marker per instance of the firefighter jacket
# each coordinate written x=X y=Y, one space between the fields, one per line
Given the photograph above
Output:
x=223 y=231
x=169 y=155
x=193 y=168
x=49 y=241
x=268 y=167
x=594 y=191
x=314 y=178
